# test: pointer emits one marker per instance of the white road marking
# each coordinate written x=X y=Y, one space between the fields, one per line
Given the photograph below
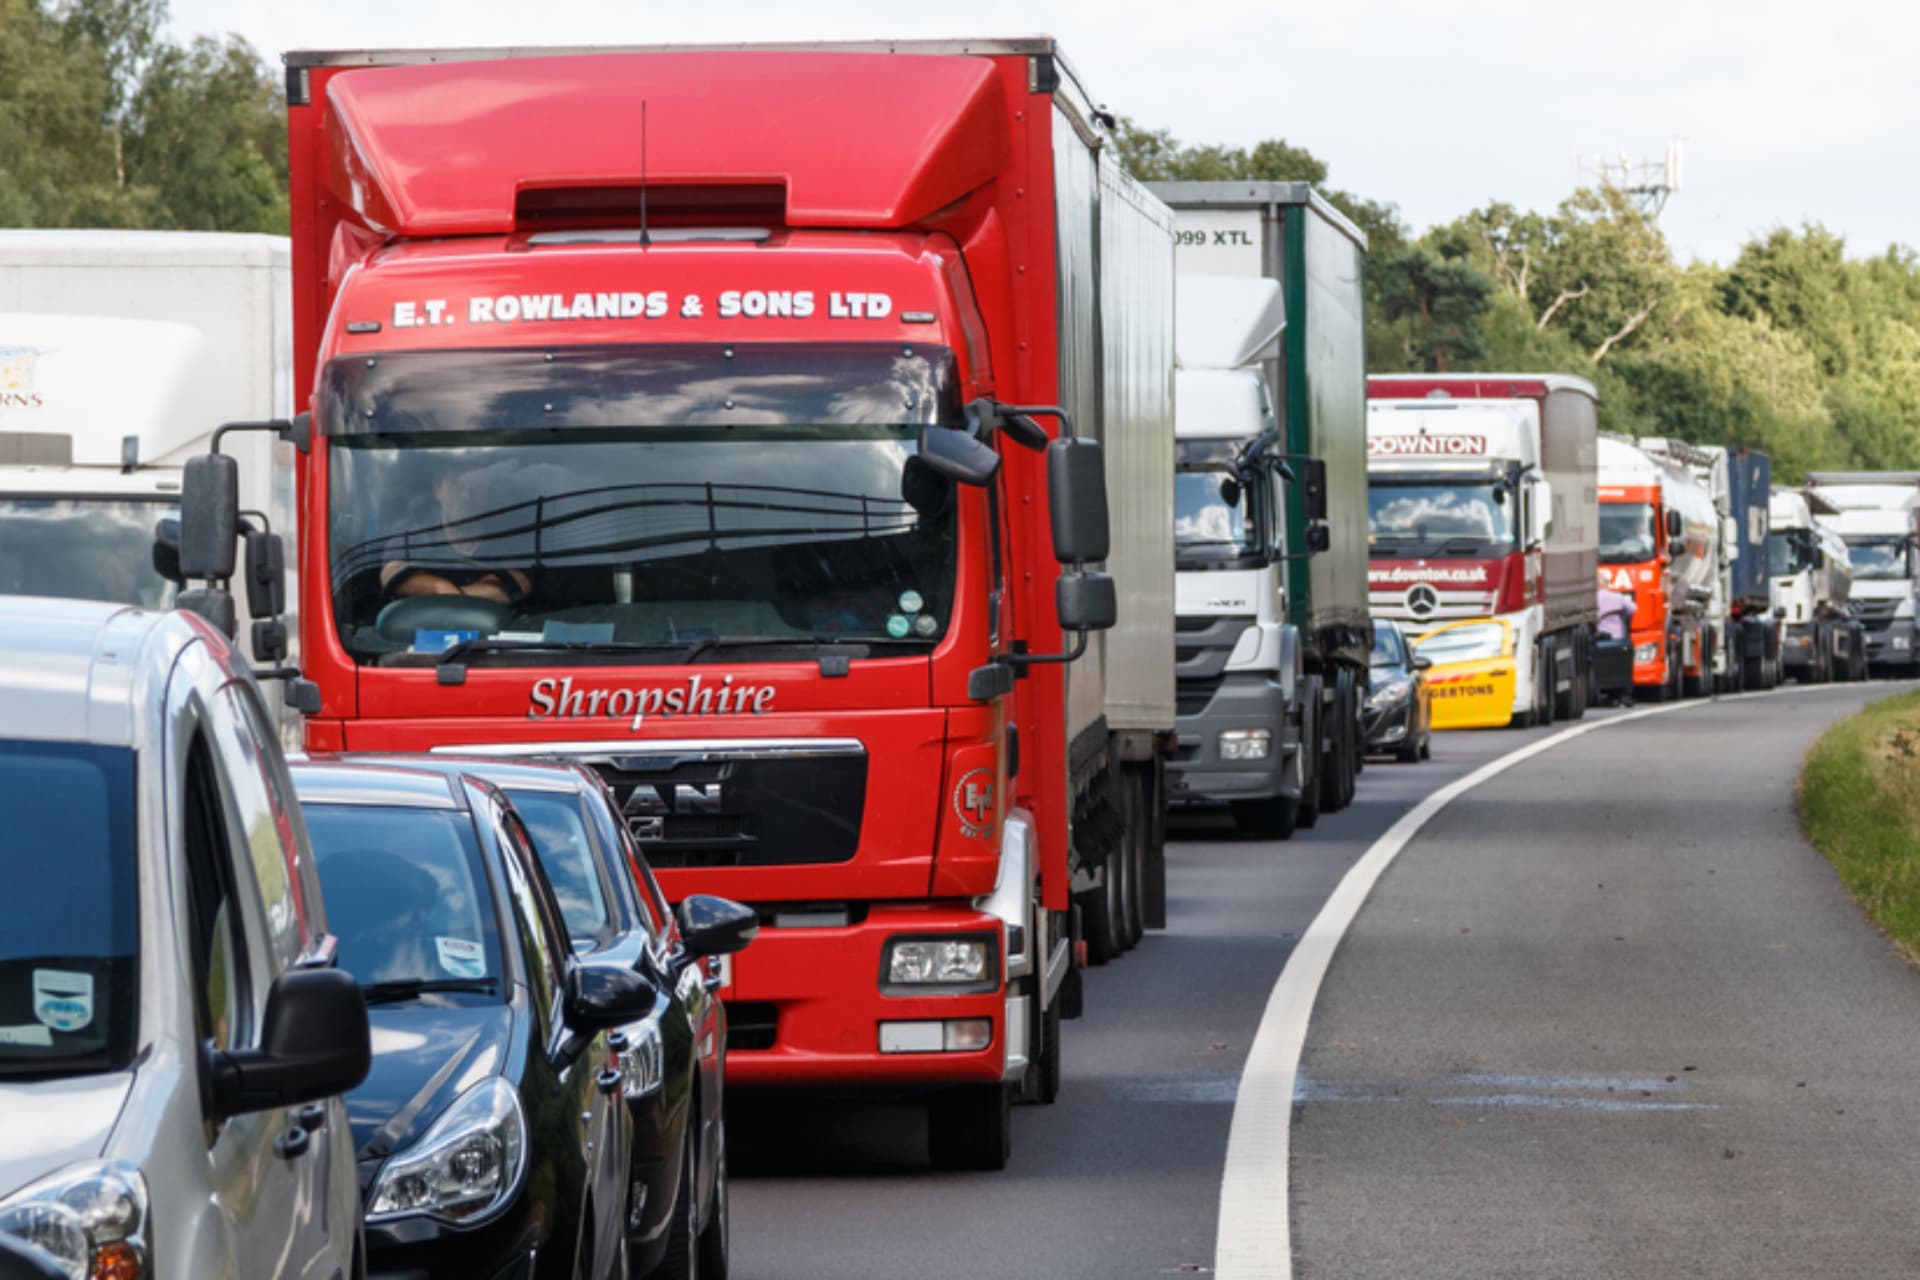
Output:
x=1254 y=1238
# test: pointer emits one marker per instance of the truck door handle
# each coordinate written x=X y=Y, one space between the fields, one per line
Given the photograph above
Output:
x=292 y=1143
x=311 y=1117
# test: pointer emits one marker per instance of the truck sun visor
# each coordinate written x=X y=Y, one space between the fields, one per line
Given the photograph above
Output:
x=716 y=384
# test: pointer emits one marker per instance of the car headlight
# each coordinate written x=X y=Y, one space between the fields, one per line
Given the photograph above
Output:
x=1246 y=744
x=91 y=1219
x=1387 y=694
x=642 y=1060
x=940 y=962
x=467 y=1166
x=1646 y=653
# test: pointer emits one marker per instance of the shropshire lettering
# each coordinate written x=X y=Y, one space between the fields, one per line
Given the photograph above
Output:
x=553 y=698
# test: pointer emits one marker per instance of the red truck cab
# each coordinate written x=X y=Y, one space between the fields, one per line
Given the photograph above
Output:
x=711 y=418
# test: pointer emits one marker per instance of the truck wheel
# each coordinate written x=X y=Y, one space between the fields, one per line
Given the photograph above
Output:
x=1699 y=686
x=1100 y=914
x=1049 y=1061
x=1564 y=703
x=1308 y=811
x=970 y=1127
x=1139 y=836
x=1275 y=818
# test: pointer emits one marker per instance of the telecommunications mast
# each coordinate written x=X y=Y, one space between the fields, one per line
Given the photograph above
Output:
x=1649 y=182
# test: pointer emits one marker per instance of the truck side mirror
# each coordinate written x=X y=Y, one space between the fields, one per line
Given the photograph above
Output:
x=266 y=574
x=209 y=516
x=1676 y=524
x=1313 y=472
x=958 y=456
x=1086 y=601
x=1819 y=558
x=1077 y=500
x=166 y=551
x=1319 y=538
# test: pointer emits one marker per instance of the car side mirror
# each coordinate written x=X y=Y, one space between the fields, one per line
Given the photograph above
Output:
x=711 y=926
x=1077 y=500
x=601 y=997
x=1422 y=664
x=314 y=1044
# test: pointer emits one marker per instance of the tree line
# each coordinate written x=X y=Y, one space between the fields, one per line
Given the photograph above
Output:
x=1795 y=348
x=106 y=123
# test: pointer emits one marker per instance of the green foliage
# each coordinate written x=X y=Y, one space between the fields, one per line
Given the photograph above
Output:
x=104 y=123
x=1860 y=801
x=1439 y=306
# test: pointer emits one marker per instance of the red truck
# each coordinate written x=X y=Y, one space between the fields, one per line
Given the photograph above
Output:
x=746 y=423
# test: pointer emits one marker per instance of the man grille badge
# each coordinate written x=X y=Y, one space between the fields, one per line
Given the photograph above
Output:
x=1422 y=600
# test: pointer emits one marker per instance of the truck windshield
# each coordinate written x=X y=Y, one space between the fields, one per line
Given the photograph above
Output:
x=1787 y=552
x=1425 y=517
x=1626 y=532
x=67 y=947
x=1212 y=516
x=636 y=506
x=81 y=549
x=1878 y=557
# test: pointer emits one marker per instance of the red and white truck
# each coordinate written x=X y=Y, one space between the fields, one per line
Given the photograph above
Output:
x=735 y=421
x=1482 y=489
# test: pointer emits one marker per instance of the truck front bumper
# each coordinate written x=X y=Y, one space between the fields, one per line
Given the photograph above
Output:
x=1797 y=647
x=1248 y=704
x=811 y=1007
x=1891 y=645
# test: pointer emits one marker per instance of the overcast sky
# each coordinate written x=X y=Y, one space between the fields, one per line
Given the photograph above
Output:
x=1790 y=112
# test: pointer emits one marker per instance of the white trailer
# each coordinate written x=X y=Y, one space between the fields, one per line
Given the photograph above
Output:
x=120 y=351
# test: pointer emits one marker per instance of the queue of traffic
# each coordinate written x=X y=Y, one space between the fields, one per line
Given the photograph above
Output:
x=857 y=551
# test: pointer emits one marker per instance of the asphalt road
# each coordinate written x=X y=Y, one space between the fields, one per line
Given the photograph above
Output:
x=1609 y=1015
x=1121 y=1177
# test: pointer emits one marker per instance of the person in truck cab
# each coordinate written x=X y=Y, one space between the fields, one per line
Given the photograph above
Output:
x=452 y=564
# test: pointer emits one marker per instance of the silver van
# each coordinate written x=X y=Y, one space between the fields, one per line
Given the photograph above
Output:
x=173 y=1036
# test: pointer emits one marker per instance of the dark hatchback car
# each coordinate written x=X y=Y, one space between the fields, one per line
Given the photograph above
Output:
x=1399 y=712
x=674 y=1059
x=490 y=1134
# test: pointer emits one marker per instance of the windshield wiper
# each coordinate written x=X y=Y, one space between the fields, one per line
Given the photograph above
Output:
x=804 y=641
x=399 y=989
x=486 y=644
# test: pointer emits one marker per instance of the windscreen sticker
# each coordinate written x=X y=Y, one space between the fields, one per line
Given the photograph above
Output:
x=897 y=625
x=925 y=624
x=462 y=958
x=910 y=601
x=63 y=999
x=32 y=1035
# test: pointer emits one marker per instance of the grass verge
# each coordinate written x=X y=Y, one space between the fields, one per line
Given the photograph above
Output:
x=1860 y=800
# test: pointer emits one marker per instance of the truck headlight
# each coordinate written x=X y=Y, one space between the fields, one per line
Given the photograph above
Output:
x=91 y=1219
x=467 y=1166
x=964 y=962
x=1646 y=653
x=1246 y=744
x=1897 y=641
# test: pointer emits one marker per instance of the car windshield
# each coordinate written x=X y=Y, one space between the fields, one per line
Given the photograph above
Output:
x=1388 y=650
x=1878 y=557
x=82 y=549
x=67 y=946
x=1471 y=515
x=1786 y=552
x=1462 y=644
x=619 y=503
x=1626 y=532
x=569 y=856
x=1211 y=515
x=406 y=894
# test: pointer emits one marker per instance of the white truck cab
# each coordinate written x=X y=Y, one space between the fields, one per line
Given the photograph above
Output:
x=174 y=1040
x=1877 y=514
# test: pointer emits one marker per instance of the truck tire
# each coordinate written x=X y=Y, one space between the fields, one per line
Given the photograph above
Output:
x=1139 y=839
x=1275 y=818
x=1099 y=918
x=1572 y=704
x=1336 y=781
x=1307 y=811
x=1130 y=857
x=1699 y=686
x=970 y=1127
x=1040 y=1082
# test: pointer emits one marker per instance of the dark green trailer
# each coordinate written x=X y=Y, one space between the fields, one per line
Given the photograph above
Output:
x=1287 y=232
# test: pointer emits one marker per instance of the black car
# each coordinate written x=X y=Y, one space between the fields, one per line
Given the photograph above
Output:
x=491 y=1136
x=1399 y=711
x=674 y=1059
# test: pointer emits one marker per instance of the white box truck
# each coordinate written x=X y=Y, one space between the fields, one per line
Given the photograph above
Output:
x=1877 y=514
x=120 y=352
